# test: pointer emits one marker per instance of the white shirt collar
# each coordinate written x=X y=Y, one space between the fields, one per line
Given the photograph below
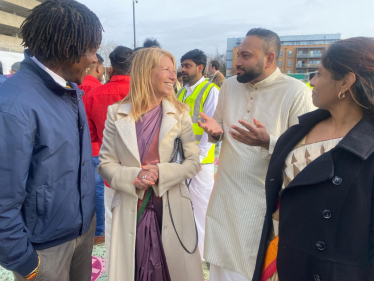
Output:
x=58 y=79
x=192 y=88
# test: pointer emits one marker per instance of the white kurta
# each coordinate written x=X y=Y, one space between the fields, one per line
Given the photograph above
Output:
x=237 y=205
x=200 y=189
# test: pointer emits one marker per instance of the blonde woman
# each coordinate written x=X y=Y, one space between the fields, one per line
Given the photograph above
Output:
x=138 y=142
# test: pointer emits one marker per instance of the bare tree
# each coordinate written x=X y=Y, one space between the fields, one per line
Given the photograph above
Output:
x=106 y=48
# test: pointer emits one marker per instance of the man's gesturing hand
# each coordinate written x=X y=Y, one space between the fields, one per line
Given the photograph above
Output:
x=210 y=125
x=255 y=136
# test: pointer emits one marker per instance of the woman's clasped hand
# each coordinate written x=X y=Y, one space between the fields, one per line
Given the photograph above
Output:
x=147 y=176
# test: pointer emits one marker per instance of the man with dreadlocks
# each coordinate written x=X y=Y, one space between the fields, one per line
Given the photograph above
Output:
x=47 y=194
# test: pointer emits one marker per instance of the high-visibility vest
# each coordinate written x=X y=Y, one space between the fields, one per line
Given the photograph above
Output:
x=196 y=102
x=308 y=84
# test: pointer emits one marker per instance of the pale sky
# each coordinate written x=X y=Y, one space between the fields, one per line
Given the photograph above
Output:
x=184 y=25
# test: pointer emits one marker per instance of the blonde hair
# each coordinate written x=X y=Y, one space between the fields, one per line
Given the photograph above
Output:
x=141 y=89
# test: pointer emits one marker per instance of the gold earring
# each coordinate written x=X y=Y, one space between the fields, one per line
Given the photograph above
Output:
x=341 y=95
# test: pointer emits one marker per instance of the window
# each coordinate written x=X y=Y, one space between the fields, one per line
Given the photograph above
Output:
x=288 y=71
x=281 y=54
x=315 y=53
x=289 y=63
x=300 y=63
x=280 y=63
x=290 y=53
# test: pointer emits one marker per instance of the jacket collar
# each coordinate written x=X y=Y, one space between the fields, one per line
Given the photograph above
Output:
x=91 y=79
x=47 y=79
x=359 y=139
x=120 y=78
x=215 y=74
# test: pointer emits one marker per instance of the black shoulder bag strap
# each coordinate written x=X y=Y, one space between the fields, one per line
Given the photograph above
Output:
x=178 y=157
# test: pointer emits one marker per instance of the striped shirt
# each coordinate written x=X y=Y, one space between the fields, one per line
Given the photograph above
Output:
x=237 y=205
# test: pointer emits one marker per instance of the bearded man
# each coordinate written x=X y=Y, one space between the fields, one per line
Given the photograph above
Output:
x=259 y=92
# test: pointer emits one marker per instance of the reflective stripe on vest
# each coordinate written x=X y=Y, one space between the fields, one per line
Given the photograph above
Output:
x=197 y=97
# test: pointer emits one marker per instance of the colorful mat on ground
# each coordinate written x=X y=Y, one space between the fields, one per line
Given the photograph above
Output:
x=98 y=268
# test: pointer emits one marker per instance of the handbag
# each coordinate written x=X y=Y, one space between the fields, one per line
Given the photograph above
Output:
x=178 y=157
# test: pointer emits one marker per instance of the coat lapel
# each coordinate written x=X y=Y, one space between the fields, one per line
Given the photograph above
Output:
x=320 y=170
x=127 y=131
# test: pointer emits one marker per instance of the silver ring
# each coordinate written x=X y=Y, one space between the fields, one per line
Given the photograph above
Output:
x=144 y=177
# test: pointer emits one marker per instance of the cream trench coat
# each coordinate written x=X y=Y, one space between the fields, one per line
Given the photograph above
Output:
x=120 y=164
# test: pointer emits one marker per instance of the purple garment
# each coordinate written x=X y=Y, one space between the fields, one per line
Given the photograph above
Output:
x=150 y=260
x=146 y=129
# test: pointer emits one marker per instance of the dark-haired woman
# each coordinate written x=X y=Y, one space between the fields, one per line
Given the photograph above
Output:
x=319 y=187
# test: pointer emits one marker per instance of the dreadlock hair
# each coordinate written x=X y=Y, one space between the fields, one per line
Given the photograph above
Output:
x=61 y=30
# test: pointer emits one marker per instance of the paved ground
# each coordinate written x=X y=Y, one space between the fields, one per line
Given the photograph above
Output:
x=98 y=251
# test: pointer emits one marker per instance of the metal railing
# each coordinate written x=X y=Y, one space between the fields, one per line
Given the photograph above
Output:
x=308 y=55
x=11 y=47
x=306 y=65
x=302 y=55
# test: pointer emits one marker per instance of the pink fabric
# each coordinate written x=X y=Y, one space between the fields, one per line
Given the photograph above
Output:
x=269 y=271
x=98 y=268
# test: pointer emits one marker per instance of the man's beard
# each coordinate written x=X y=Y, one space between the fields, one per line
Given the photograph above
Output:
x=251 y=74
x=188 y=78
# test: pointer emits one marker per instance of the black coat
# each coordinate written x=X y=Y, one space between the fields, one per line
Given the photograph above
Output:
x=326 y=227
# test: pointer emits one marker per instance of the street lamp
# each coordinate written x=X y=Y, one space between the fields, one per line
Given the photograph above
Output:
x=133 y=17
